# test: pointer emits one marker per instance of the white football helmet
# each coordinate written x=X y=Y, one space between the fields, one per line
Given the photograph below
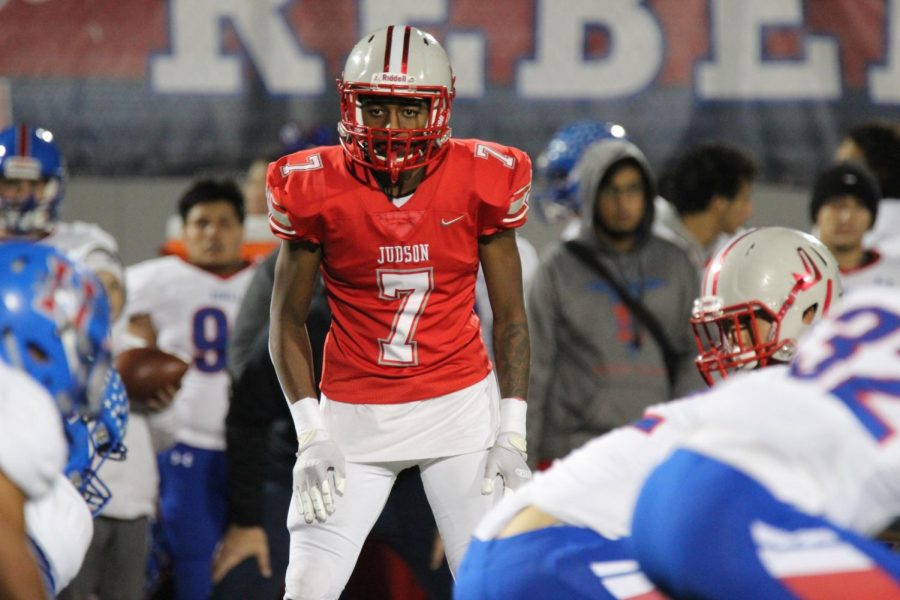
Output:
x=398 y=62
x=759 y=293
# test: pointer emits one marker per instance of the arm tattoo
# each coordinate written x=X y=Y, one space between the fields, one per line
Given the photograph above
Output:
x=513 y=355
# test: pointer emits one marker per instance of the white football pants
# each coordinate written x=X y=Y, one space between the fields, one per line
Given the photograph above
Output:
x=323 y=555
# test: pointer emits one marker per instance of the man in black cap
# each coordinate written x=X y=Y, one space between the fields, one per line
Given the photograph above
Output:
x=876 y=144
x=843 y=207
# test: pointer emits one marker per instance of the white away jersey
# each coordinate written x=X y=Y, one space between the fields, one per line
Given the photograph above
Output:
x=192 y=311
x=33 y=446
x=825 y=438
x=884 y=270
x=805 y=447
x=820 y=434
x=596 y=486
x=61 y=525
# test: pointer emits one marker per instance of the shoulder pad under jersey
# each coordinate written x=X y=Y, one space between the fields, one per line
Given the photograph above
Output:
x=298 y=186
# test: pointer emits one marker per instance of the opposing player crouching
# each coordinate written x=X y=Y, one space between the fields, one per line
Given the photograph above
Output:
x=777 y=490
x=568 y=533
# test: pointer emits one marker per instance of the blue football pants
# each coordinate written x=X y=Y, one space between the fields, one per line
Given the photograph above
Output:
x=553 y=562
x=193 y=503
x=703 y=529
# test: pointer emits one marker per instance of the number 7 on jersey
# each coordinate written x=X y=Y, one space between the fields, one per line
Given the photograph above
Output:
x=411 y=288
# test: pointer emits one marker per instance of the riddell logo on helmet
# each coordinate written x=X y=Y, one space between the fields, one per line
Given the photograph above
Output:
x=392 y=78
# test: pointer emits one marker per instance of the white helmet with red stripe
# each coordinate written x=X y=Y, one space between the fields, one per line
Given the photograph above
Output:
x=398 y=62
x=769 y=283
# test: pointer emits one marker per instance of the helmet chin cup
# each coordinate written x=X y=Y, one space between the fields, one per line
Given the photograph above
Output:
x=786 y=351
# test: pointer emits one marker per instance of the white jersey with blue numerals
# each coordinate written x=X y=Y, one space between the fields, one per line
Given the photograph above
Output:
x=820 y=434
x=825 y=438
x=192 y=311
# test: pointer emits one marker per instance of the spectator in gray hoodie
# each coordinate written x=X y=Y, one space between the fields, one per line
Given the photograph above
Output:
x=596 y=364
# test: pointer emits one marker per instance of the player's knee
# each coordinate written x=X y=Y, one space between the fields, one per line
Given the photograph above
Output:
x=310 y=581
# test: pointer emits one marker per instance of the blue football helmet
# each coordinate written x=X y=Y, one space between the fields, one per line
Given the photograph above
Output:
x=94 y=441
x=555 y=193
x=54 y=325
x=31 y=181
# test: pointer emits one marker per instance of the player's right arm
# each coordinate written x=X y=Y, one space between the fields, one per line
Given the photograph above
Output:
x=295 y=278
x=141 y=333
x=319 y=470
x=20 y=577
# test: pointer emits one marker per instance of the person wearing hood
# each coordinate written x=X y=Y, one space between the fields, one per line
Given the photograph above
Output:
x=608 y=311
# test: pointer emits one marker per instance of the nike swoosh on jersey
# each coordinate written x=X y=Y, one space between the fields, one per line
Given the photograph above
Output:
x=451 y=221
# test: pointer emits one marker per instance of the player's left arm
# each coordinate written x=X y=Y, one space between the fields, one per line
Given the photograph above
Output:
x=19 y=574
x=503 y=275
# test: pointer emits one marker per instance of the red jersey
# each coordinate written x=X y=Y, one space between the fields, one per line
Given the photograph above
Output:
x=400 y=280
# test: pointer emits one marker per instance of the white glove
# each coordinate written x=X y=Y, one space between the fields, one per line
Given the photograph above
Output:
x=507 y=456
x=319 y=470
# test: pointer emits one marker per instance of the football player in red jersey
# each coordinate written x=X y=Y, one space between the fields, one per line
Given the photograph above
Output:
x=398 y=218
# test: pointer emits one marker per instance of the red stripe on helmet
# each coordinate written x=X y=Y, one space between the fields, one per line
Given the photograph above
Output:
x=802 y=281
x=406 y=35
x=828 y=292
x=387 y=49
x=23 y=141
x=718 y=262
